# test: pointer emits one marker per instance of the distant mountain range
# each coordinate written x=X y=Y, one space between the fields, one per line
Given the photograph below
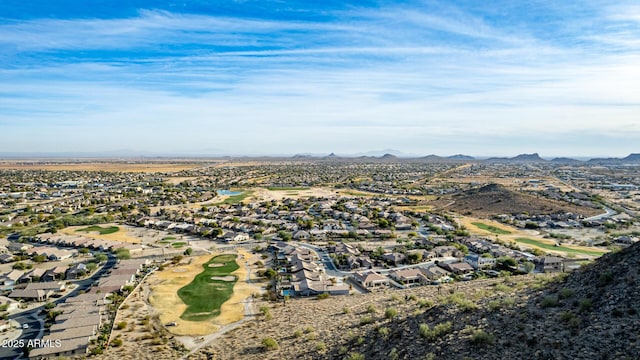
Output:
x=387 y=155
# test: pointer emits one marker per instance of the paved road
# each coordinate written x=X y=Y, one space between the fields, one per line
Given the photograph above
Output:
x=607 y=214
x=35 y=319
x=330 y=267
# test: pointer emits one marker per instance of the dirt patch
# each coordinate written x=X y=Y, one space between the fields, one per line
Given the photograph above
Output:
x=92 y=166
x=497 y=199
x=262 y=194
x=143 y=336
x=234 y=309
x=164 y=297
x=121 y=235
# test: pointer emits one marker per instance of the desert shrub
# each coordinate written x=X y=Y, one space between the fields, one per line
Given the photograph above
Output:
x=366 y=320
x=371 y=309
x=269 y=343
x=433 y=333
x=390 y=313
x=605 y=278
x=321 y=346
x=121 y=325
x=480 y=337
x=565 y=316
x=384 y=332
x=585 y=305
x=355 y=356
x=503 y=288
x=425 y=303
x=565 y=293
x=323 y=296
x=116 y=342
x=346 y=310
x=309 y=329
x=297 y=334
x=549 y=301
x=508 y=302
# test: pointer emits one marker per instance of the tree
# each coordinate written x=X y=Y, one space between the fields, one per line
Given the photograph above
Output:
x=188 y=251
x=528 y=266
x=101 y=257
x=123 y=254
x=414 y=257
x=285 y=235
x=91 y=266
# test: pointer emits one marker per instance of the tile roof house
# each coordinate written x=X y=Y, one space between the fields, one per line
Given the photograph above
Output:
x=371 y=279
x=408 y=276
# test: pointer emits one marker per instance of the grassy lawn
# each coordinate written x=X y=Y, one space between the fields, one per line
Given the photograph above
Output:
x=100 y=229
x=178 y=244
x=543 y=245
x=205 y=296
x=291 y=188
x=490 y=228
x=163 y=242
x=236 y=199
x=168 y=238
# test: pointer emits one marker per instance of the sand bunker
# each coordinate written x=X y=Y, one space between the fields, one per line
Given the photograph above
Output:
x=224 y=278
x=216 y=265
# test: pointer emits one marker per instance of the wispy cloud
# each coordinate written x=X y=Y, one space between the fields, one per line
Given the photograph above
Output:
x=395 y=75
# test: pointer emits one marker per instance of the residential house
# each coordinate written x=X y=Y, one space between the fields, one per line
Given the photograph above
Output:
x=371 y=279
x=434 y=272
x=548 y=264
x=57 y=273
x=457 y=268
x=6 y=258
x=480 y=261
x=232 y=236
x=36 y=295
x=33 y=275
x=47 y=286
x=408 y=276
x=301 y=235
x=394 y=258
x=11 y=278
x=76 y=271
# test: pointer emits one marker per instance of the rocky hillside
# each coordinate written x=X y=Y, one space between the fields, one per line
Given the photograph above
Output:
x=590 y=314
x=496 y=199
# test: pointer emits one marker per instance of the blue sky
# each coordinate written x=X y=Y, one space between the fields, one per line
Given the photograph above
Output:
x=284 y=77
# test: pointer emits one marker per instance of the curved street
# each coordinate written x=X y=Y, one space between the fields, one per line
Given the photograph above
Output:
x=35 y=317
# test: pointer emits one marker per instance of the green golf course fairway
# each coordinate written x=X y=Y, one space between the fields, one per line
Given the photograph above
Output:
x=204 y=296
